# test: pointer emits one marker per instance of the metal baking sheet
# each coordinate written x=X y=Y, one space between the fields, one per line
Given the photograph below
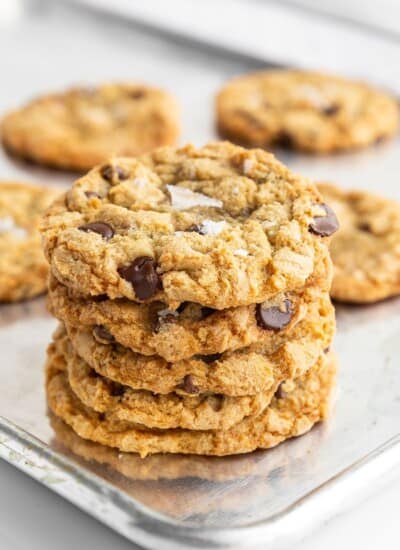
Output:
x=239 y=502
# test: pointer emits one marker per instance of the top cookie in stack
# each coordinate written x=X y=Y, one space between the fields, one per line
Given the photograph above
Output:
x=220 y=226
x=193 y=290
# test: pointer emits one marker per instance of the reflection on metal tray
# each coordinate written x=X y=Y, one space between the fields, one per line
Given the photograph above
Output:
x=170 y=502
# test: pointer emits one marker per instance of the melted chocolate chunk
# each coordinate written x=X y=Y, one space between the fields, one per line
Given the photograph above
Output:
x=331 y=110
x=274 y=318
x=143 y=276
x=209 y=358
x=188 y=385
x=100 y=298
x=206 y=312
x=364 y=226
x=103 y=229
x=102 y=335
x=324 y=226
x=114 y=174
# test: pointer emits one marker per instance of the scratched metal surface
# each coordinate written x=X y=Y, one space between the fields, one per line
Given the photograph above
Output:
x=199 y=502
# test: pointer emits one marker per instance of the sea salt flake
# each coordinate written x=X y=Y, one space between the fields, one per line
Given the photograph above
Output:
x=183 y=198
x=241 y=252
x=247 y=165
x=209 y=227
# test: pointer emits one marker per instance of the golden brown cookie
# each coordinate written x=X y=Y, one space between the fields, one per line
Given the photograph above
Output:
x=220 y=226
x=366 y=249
x=164 y=466
x=243 y=372
x=309 y=111
x=153 y=329
x=23 y=268
x=290 y=414
x=82 y=127
x=120 y=403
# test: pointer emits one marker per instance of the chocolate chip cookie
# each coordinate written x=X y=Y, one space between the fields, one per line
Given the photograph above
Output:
x=290 y=414
x=153 y=329
x=366 y=250
x=120 y=403
x=219 y=226
x=246 y=371
x=81 y=127
x=23 y=268
x=303 y=110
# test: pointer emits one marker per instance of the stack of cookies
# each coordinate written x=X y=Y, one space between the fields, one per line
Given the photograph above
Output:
x=192 y=287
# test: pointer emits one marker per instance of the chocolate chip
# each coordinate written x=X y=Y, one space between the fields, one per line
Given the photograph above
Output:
x=324 y=226
x=103 y=229
x=331 y=110
x=102 y=416
x=92 y=195
x=116 y=390
x=188 y=385
x=206 y=312
x=114 y=174
x=182 y=307
x=195 y=228
x=102 y=335
x=93 y=374
x=327 y=350
x=100 y=298
x=274 y=318
x=280 y=392
x=143 y=276
x=209 y=358
x=364 y=226
x=285 y=140
x=137 y=94
x=165 y=317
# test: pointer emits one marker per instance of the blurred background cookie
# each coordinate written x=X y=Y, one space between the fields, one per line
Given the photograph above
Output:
x=81 y=127
x=23 y=268
x=366 y=249
x=308 y=111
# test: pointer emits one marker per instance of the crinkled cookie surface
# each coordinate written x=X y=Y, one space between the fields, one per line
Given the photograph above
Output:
x=219 y=226
x=81 y=127
x=309 y=111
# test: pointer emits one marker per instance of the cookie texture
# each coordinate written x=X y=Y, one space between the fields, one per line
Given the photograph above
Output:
x=366 y=249
x=153 y=329
x=81 y=127
x=243 y=372
x=193 y=412
x=219 y=226
x=23 y=268
x=289 y=416
x=309 y=111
